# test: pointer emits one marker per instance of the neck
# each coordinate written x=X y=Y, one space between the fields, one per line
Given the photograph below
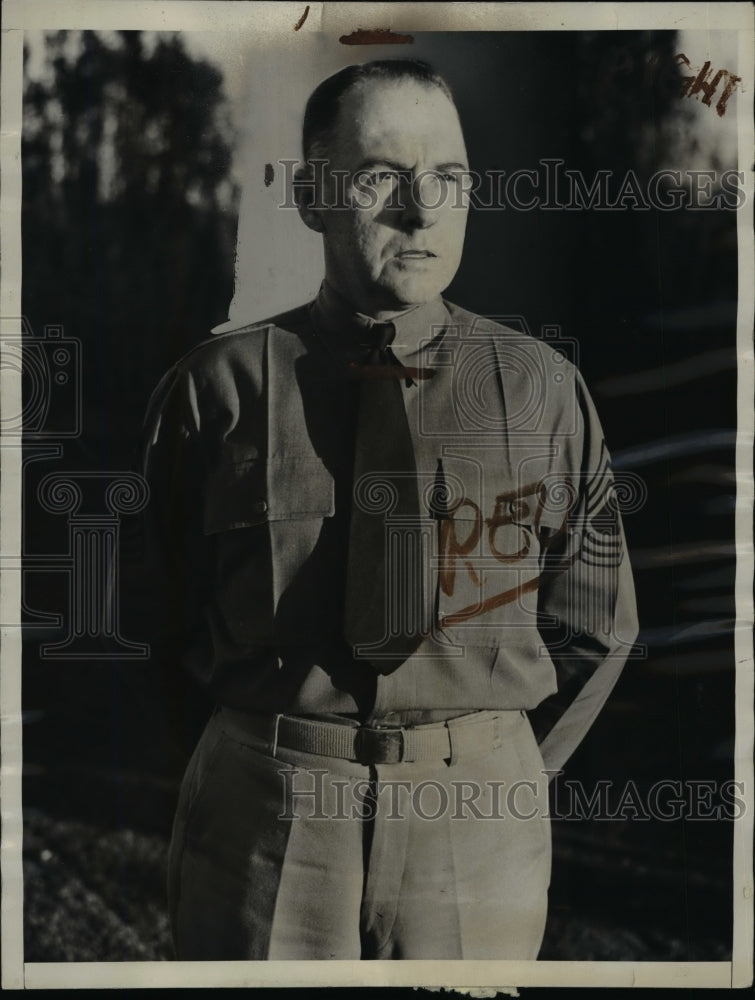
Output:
x=386 y=315
x=379 y=314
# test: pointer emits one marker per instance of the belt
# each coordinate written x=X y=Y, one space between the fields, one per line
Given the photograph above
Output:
x=464 y=736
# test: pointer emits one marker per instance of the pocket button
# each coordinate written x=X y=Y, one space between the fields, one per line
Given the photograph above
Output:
x=518 y=509
x=259 y=506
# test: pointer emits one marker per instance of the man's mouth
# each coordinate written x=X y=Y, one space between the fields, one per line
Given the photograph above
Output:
x=415 y=255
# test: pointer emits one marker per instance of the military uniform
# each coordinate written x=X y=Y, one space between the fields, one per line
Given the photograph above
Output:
x=526 y=600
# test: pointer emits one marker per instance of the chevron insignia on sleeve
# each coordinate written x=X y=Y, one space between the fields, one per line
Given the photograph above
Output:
x=599 y=488
x=601 y=541
x=599 y=549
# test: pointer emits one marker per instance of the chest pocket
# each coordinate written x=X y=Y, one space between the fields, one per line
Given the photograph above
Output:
x=490 y=561
x=256 y=492
x=265 y=519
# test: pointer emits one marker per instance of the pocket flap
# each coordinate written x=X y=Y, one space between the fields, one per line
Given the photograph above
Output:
x=244 y=494
x=532 y=509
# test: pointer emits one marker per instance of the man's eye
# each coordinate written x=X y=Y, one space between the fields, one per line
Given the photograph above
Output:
x=450 y=177
x=376 y=178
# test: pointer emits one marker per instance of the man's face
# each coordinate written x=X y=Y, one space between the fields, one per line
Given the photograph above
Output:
x=399 y=242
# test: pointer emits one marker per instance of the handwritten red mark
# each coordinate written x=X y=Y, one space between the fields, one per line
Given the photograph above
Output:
x=496 y=601
x=452 y=549
x=375 y=36
x=269 y=174
x=693 y=85
x=302 y=19
x=510 y=508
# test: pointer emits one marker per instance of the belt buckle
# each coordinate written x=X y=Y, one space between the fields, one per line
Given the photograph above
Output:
x=379 y=746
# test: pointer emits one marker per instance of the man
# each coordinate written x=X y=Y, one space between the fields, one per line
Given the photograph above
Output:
x=389 y=531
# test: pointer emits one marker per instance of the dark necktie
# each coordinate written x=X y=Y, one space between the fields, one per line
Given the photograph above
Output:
x=382 y=614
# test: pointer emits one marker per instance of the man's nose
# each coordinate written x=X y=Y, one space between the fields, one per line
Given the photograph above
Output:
x=422 y=198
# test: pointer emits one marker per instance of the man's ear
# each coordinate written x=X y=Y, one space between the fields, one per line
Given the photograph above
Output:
x=306 y=198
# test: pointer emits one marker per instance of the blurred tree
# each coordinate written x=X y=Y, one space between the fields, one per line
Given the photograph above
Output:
x=128 y=225
x=129 y=214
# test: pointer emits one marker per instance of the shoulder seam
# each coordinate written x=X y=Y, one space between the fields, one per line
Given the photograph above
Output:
x=261 y=327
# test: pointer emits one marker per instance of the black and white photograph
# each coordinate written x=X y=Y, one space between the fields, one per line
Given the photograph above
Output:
x=377 y=495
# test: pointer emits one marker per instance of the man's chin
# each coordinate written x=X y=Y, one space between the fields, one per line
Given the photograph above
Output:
x=408 y=295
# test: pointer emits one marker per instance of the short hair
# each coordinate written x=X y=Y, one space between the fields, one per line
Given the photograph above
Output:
x=321 y=112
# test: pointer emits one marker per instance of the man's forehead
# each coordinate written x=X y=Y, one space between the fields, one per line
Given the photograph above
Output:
x=394 y=95
x=376 y=111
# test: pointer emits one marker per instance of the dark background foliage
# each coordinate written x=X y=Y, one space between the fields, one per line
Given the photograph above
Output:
x=129 y=216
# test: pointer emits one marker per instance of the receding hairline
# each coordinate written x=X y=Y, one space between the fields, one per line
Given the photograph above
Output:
x=324 y=107
x=363 y=83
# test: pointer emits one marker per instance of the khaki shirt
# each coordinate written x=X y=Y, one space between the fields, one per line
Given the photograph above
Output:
x=527 y=587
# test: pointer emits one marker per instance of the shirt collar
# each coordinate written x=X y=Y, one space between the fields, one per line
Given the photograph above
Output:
x=346 y=331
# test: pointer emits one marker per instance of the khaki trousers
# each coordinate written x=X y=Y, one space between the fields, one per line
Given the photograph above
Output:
x=301 y=856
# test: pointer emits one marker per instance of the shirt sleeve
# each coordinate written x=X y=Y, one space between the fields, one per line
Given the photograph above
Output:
x=586 y=608
x=177 y=556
